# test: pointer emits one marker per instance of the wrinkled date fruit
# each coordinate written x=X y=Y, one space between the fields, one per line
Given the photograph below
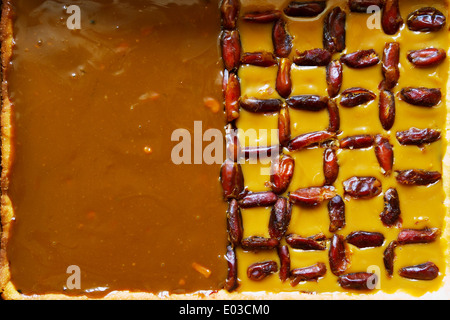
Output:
x=353 y=97
x=260 y=105
x=233 y=146
x=313 y=195
x=258 y=199
x=425 y=97
x=410 y=236
x=364 y=239
x=232 y=94
x=281 y=173
x=424 y=271
x=316 y=242
x=260 y=59
x=384 y=154
x=391 y=20
x=362 y=5
x=336 y=213
x=262 y=17
x=231 y=49
x=261 y=270
x=362 y=187
x=389 y=257
x=310 y=273
x=231 y=282
x=391 y=212
x=417 y=177
x=310 y=139
x=390 y=66
x=307 y=102
x=256 y=243
x=334 y=77
x=337 y=255
x=330 y=166
x=229 y=10
x=313 y=57
x=334 y=118
x=280 y=216
x=305 y=9
x=234 y=223
x=285 y=263
x=360 y=59
x=284 y=127
x=426 y=19
x=428 y=57
x=358 y=281
x=386 y=108
x=356 y=142
x=232 y=179
x=283 y=82
x=282 y=40
x=334 y=30
x=418 y=137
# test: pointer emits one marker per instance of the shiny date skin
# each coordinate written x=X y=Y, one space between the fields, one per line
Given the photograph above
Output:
x=284 y=126
x=362 y=187
x=280 y=216
x=232 y=94
x=428 y=57
x=232 y=179
x=259 y=152
x=310 y=139
x=260 y=105
x=390 y=65
x=311 y=273
x=386 y=109
x=282 y=170
x=316 y=242
x=358 y=281
x=362 y=5
x=334 y=78
x=282 y=40
x=389 y=257
x=337 y=255
x=261 y=270
x=336 y=213
x=231 y=49
x=233 y=146
x=417 y=177
x=229 y=10
x=313 y=57
x=391 y=20
x=356 y=96
x=384 y=154
x=421 y=96
x=365 y=239
x=334 y=117
x=307 y=102
x=357 y=142
x=425 y=20
x=391 y=211
x=231 y=282
x=312 y=196
x=305 y=9
x=424 y=271
x=234 y=223
x=334 y=30
x=283 y=82
x=285 y=263
x=260 y=59
x=418 y=137
x=262 y=16
x=411 y=236
x=330 y=165
x=360 y=59
x=258 y=199
x=256 y=243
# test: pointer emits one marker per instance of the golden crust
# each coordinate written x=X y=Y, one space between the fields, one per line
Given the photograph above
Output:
x=8 y=290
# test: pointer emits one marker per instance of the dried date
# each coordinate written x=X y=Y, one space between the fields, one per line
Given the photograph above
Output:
x=282 y=170
x=428 y=57
x=280 y=216
x=232 y=179
x=391 y=20
x=313 y=57
x=390 y=65
x=424 y=271
x=282 y=40
x=260 y=59
x=356 y=96
x=386 y=109
x=391 y=212
x=330 y=165
x=305 y=9
x=410 y=236
x=360 y=59
x=334 y=77
x=357 y=142
x=311 y=273
x=307 y=102
x=417 y=177
x=283 y=82
x=231 y=49
x=312 y=196
x=336 y=213
x=365 y=239
x=258 y=199
x=334 y=30
x=362 y=187
x=337 y=255
x=358 y=281
x=421 y=96
x=260 y=270
x=260 y=105
x=229 y=10
x=262 y=16
x=316 y=242
x=418 y=137
x=256 y=243
x=384 y=154
x=427 y=19
x=234 y=223
x=310 y=139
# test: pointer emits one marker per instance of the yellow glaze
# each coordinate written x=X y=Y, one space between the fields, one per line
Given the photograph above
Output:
x=421 y=206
